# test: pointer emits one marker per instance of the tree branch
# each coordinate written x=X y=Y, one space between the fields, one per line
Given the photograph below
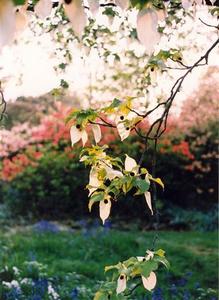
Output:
x=2 y=104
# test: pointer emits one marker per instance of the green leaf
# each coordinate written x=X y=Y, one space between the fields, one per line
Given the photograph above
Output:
x=118 y=266
x=99 y=196
x=19 y=2
x=144 y=171
x=163 y=261
x=100 y=295
x=130 y=261
x=142 y=184
x=160 y=252
x=148 y=266
x=159 y=181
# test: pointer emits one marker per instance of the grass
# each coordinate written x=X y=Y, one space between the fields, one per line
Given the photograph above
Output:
x=87 y=254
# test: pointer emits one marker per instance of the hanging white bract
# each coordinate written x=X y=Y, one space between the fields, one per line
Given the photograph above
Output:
x=75 y=12
x=94 y=6
x=147 y=21
x=21 y=19
x=123 y=4
x=7 y=22
x=121 y=284
x=104 y=209
x=43 y=8
x=150 y=282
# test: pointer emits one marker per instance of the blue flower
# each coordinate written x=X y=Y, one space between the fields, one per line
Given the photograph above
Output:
x=45 y=226
x=173 y=290
x=186 y=295
x=74 y=294
x=36 y=297
x=182 y=281
x=40 y=287
x=189 y=274
x=157 y=294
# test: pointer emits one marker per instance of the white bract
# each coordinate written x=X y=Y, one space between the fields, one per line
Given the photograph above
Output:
x=43 y=8
x=148 y=201
x=7 y=22
x=94 y=180
x=104 y=209
x=94 y=6
x=78 y=134
x=97 y=132
x=123 y=131
x=121 y=284
x=75 y=12
x=149 y=283
x=149 y=255
x=123 y=4
x=188 y=3
x=131 y=165
x=21 y=19
x=147 y=21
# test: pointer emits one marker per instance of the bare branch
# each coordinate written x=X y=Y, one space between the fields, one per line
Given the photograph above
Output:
x=2 y=104
x=209 y=25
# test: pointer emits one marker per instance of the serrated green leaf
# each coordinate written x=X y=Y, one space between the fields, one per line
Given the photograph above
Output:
x=118 y=266
x=142 y=185
x=130 y=261
x=162 y=260
x=147 y=267
x=98 y=196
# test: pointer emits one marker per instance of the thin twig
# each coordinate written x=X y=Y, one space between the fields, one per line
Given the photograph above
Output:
x=134 y=288
x=3 y=104
x=209 y=25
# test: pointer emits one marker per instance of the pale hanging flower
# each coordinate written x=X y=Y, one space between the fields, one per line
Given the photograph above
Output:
x=94 y=6
x=97 y=132
x=104 y=209
x=123 y=4
x=150 y=255
x=150 y=282
x=154 y=73
x=147 y=21
x=94 y=182
x=121 y=284
x=161 y=14
x=148 y=200
x=131 y=165
x=123 y=131
x=75 y=12
x=7 y=22
x=21 y=19
x=77 y=134
x=111 y=173
x=186 y=4
x=43 y=8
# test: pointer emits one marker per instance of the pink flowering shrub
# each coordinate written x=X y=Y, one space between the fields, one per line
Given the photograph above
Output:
x=40 y=157
x=23 y=145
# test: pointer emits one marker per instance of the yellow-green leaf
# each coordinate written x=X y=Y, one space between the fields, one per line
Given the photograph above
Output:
x=160 y=252
x=159 y=181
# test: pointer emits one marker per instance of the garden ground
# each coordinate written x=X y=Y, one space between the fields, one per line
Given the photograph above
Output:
x=82 y=255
